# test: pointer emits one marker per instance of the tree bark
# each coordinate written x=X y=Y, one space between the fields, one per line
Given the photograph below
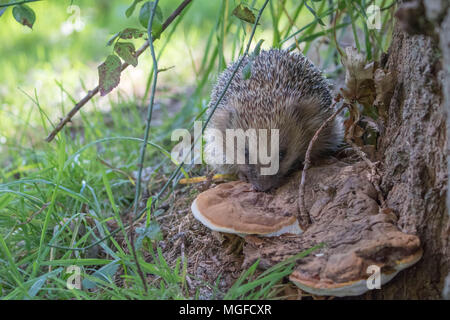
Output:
x=413 y=146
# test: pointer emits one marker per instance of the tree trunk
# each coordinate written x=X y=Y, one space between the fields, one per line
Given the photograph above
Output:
x=413 y=145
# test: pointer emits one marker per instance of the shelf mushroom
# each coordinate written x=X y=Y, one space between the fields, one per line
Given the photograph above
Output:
x=364 y=277
x=234 y=207
x=362 y=242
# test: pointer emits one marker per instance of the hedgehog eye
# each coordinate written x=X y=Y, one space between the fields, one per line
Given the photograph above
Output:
x=281 y=155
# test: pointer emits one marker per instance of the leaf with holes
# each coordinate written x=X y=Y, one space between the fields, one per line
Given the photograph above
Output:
x=131 y=33
x=24 y=15
x=127 y=52
x=128 y=33
x=109 y=74
x=244 y=13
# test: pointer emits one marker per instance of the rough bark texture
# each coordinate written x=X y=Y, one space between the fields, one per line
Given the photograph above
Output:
x=357 y=233
x=413 y=146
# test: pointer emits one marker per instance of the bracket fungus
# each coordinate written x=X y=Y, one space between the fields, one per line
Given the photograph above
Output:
x=358 y=234
x=234 y=207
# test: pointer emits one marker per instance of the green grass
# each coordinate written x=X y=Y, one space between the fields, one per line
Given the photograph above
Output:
x=67 y=193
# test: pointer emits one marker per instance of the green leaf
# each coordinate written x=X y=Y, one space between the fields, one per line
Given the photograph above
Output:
x=244 y=14
x=130 y=10
x=257 y=50
x=144 y=16
x=109 y=74
x=5 y=200
x=153 y=232
x=247 y=71
x=40 y=281
x=131 y=33
x=24 y=15
x=104 y=274
x=127 y=52
x=314 y=14
x=128 y=33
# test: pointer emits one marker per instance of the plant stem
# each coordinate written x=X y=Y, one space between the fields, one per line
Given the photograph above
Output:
x=144 y=143
x=16 y=3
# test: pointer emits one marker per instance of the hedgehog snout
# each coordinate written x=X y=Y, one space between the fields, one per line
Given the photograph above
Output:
x=265 y=183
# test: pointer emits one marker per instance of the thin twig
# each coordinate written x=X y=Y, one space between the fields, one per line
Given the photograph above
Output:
x=336 y=17
x=34 y=214
x=125 y=65
x=292 y=23
x=389 y=6
x=144 y=143
x=149 y=116
x=116 y=169
x=304 y=219
x=133 y=249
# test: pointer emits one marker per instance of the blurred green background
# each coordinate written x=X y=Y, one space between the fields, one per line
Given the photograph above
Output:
x=60 y=48
x=66 y=46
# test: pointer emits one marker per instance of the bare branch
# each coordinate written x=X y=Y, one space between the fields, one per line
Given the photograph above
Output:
x=125 y=65
x=144 y=143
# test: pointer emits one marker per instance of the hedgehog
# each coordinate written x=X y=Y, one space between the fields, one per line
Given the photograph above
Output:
x=284 y=91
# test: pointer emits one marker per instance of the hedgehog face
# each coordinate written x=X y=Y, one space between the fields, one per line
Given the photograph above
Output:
x=285 y=92
x=296 y=121
x=252 y=173
x=283 y=153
